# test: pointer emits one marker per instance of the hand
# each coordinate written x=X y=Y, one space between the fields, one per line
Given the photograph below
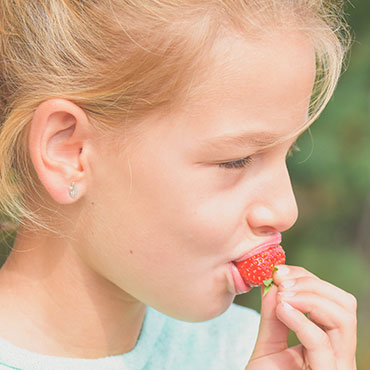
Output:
x=327 y=334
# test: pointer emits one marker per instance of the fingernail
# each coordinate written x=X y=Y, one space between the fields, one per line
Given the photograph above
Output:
x=282 y=270
x=287 y=294
x=287 y=306
x=287 y=283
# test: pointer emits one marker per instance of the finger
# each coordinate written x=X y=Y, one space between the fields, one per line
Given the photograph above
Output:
x=339 y=324
x=321 y=310
x=319 y=353
x=298 y=278
x=273 y=334
x=292 y=359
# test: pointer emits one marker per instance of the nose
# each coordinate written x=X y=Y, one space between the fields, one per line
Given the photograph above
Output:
x=274 y=208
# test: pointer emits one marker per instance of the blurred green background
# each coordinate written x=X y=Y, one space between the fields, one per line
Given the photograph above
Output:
x=331 y=179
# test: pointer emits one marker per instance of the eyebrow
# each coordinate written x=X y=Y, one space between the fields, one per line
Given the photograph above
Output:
x=250 y=139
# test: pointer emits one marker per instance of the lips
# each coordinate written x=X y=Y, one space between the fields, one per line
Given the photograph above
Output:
x=260 y=248
x=239 y=285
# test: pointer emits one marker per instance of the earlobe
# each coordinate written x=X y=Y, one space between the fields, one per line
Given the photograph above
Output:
x=58 y=138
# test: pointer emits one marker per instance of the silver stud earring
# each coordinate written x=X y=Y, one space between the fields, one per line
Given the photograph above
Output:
x=73 y=190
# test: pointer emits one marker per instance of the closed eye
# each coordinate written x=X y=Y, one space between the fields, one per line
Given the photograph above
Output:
x=244 y=162
x=237 y=164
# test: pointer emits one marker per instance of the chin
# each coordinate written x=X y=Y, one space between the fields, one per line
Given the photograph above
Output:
x=204 y=309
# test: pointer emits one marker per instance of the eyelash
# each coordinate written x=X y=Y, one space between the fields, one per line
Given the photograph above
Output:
x=244 y=162
x=239 y=163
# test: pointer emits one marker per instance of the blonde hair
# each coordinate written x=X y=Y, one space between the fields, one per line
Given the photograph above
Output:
x=120 y=59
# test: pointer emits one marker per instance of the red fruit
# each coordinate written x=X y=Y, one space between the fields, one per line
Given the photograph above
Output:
x=256 y=269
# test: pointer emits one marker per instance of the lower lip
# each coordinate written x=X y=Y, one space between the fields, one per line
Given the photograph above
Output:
x=239 y=285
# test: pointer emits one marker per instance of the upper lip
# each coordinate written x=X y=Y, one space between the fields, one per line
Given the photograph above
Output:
x=275 y=240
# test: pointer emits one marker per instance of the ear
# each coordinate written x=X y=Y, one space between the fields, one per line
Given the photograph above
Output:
x=58 y=144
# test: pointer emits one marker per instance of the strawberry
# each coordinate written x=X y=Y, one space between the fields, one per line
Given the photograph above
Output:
x=257 y=270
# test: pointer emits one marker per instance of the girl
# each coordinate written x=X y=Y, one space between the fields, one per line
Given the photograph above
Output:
x=143 y=148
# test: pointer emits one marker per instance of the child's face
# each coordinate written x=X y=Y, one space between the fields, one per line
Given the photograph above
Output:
x=167 y=219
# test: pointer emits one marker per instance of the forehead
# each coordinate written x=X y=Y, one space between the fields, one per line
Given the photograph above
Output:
x=251 y=86
x=260 y=80
x=274 y=58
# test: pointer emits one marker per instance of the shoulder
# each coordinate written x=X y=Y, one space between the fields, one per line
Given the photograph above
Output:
x=225 y=342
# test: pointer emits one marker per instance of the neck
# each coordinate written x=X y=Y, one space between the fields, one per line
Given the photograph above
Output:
x=53 y=303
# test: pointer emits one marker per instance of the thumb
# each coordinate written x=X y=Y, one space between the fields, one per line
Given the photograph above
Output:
x=273 y=334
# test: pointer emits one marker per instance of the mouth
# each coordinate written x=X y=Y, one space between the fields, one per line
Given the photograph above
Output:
x=239 y=285
x=260 y=248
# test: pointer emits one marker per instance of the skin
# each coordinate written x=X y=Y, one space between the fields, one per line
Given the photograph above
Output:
x=328 y=336
x=157 y=219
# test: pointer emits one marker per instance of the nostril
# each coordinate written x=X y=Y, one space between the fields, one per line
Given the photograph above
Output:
x=265 y=231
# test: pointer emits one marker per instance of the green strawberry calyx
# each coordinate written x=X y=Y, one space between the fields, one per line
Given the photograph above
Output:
x=268 y=283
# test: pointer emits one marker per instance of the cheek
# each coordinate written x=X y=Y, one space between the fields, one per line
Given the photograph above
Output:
x=192 y=223
x=166 y=248
x=165 y=216
x=216 y=222
x=153 y=235
x=190 y=219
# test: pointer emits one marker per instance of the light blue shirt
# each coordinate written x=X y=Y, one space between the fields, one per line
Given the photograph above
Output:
x=223 y=343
